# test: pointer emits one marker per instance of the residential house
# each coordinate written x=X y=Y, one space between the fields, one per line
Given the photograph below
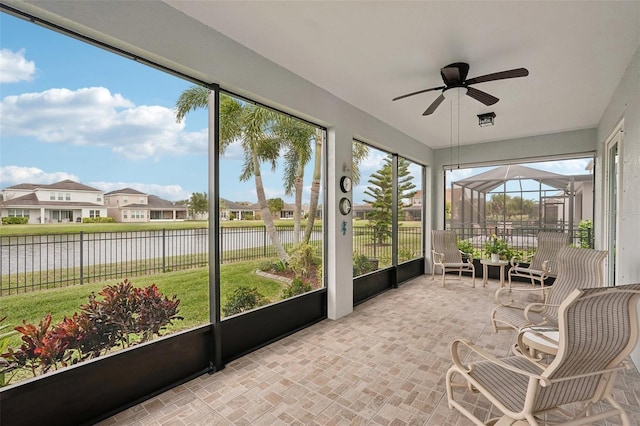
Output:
x=131 y=205
x=61 y=202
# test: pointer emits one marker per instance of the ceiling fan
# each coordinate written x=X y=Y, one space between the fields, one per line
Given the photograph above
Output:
x=455 y=75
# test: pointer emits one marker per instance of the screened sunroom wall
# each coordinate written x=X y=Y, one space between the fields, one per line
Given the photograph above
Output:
x=190 y=47
x=559 y=145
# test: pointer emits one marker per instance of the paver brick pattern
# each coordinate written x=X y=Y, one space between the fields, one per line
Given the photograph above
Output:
x=384 y=364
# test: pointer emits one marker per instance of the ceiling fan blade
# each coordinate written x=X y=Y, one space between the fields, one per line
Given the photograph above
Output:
x=417 y=93
x=481 y=96
x=454 y=74
x=434 y=105
x=518 y=72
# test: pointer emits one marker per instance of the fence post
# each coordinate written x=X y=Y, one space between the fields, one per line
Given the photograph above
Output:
x=81 y=258
x=163 y=249
x=264 y=240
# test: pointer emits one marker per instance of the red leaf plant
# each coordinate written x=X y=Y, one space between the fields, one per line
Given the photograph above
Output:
x=126 y=315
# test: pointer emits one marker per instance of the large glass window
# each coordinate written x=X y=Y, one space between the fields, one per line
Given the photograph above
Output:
x=375 y=175
x=410 y=210
x=270 y=202
x=372 y=198
x=78 y=119
x=513 y=202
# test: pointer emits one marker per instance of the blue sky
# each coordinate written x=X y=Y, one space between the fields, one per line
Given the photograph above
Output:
x=73 y=111
x=70 y=110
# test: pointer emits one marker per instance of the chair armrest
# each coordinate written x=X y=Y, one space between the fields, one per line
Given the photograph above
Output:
x=437 y=256
x=537 y=307
x=491 y=358
x=503 y=292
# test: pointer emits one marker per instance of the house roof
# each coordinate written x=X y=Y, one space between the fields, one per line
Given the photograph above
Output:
x=127 y=191
x=63 y=185
x=155 y=203
x=31 y=200
x=232 y=205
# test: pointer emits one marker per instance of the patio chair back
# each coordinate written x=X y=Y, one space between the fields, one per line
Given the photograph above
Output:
x=549 y=244
x=598 y=330
x=446 y=242
x=447 y=257
x=577 y=268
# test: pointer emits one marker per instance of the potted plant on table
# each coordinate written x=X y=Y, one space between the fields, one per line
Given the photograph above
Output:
x=496 y=247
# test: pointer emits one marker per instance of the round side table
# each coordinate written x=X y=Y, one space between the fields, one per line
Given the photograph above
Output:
x=485 y=266
x=540 y=339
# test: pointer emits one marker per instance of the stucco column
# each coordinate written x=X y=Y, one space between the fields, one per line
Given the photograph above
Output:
x=339 y=234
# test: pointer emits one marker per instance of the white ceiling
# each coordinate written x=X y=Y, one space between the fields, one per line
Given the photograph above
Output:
x=367 y=53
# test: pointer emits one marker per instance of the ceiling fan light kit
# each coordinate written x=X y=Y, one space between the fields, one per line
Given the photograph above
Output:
x=485 y=120
x=455 y=76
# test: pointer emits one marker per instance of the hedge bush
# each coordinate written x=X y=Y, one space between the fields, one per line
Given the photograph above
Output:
x=98 y=220
x=15 y=220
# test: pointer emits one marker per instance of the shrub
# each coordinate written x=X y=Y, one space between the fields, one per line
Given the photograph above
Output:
x=362 y=265
x=98 y=220
x=15 y=220
x=124 y=315
x=279 y=266
x=297 y=286
x=301 y=258
x=5 y=366
x=465 y=246
x=243 y=299
x=266 y=265
x=585 y=233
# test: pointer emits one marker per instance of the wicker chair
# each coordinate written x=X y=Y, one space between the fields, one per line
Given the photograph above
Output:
x=577 y=268
x=598 y=329
x=542 y=264
x=446 y=255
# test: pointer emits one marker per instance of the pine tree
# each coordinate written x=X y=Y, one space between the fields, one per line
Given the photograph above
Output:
x=380 y=191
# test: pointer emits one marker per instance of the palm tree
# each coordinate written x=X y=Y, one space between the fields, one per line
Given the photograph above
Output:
x=315 y=185
x=252 y=126
x=359 y=152
x=297 y=139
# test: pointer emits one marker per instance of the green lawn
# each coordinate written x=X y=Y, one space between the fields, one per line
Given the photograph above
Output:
x=191 y=286
x=70 y=228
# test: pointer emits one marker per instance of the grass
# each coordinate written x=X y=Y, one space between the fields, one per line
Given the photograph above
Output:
x=191 y=287
x=74 y=228
x=71 y=228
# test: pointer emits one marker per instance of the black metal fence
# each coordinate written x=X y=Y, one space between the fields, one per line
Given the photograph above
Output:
x=375 y=243
x=35 y=262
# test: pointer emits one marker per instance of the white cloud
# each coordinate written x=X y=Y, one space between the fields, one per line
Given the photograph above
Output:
x=168 y=192
x=95 y=116
x=12 y=175
x=371 y=164
x=234 y=151
x=14 y=67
